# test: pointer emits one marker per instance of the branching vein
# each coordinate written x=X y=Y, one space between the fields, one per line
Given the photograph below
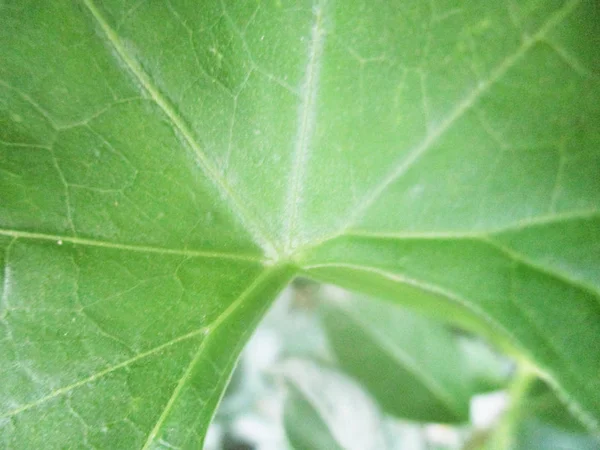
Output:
x=102 y=373
x=118 y=246
x=253 y=225
x=198 y=356
x=458 y=112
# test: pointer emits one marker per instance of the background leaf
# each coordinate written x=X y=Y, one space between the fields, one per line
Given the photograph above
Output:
x=538 y=419
x=305 y=428
x=414 y=367
x=326 y=409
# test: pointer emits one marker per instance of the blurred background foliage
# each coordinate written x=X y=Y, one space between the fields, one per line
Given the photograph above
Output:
x=328 y=370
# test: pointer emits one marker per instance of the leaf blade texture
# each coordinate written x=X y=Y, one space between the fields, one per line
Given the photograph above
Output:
x=167 y=167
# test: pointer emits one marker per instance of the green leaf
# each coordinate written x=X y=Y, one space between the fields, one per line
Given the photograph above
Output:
x=541 y=421
x=167 y=167
x=326 y=410
x=304 y=427
x=414 y=367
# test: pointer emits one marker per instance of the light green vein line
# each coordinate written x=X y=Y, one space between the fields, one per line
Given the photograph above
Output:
x=540 y=268
x=188 y=372
x=247 y=218
x=463 y=107
x=102 y=373
x=551 y=219
x=306 y=124
x=541 y=332
x=502 y=333
x=490 y=241
x=207 y=330
x=520 y=225
x=6 y=280
x=59 y=240
x=406 y=281
x=409 y=236
x=32 y=102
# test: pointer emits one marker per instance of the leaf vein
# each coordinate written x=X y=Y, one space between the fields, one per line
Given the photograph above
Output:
x=199 y=353
x=539 y=268
x=463 y=107
x=524 y=224
x=102 y=373
x=129 y=247
x=306 y=124
x=251 y=223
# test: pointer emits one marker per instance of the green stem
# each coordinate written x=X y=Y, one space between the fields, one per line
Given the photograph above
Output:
x=505 y=433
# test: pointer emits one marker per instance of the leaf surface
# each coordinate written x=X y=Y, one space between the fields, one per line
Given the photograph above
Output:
x=167 y=167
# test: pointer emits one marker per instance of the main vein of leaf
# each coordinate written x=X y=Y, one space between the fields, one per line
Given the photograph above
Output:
x=198 y=356
x=206 y=330
x=491 y=242
x=403 y=279
x=402 y=166
x=306 y=124
x=250 y=221
x=128 y=247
